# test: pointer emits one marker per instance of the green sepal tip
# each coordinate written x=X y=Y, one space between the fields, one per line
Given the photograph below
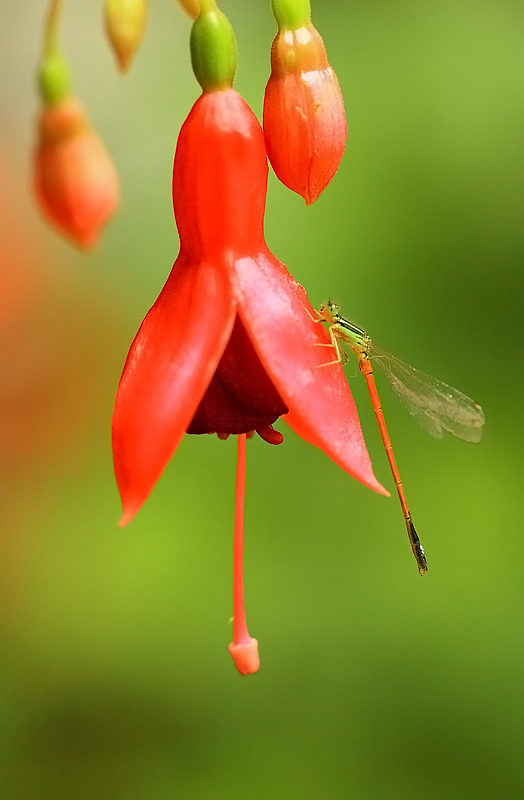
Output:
x=291 y=13
x=213 y=50
x=54 y=79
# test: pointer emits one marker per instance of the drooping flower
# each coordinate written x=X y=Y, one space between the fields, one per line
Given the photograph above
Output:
x=231 y=343
x=304 y=119
x=125 y=23
x=226 y=273
x=75 y=181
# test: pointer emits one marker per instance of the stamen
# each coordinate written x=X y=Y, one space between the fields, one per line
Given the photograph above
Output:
x=243 y=649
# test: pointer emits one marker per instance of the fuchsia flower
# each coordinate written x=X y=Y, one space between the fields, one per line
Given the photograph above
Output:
x=230 y=344
x=304 y=119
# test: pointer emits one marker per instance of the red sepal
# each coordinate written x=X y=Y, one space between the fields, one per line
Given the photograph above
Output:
x=281 y=324
x=168 y=369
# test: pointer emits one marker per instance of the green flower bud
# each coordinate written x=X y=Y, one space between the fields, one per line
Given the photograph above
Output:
x=213 y=49
x=54 y=79
x=291 y=13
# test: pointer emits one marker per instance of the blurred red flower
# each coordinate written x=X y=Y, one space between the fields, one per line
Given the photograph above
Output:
x=75 y=180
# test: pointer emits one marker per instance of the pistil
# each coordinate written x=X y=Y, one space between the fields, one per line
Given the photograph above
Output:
x=243 y=649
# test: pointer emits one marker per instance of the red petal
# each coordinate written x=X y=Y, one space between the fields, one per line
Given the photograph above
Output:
x=281 y=324
x=270 y=435
x=168 y=369
x=240 y=397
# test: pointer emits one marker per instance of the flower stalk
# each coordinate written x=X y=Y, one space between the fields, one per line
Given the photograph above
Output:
x=51 y=28
x=192 y=7
x=54 y=77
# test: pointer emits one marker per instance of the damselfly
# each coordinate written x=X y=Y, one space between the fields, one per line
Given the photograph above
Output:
x=436 y=406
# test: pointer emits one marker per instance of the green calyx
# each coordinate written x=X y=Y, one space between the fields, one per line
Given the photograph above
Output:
x=213 y=49
x=54 y=79
x=291 y=13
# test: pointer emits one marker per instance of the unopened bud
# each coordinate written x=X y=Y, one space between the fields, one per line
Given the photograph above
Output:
x=305 y=125
x=74 y=179
x=125 y=23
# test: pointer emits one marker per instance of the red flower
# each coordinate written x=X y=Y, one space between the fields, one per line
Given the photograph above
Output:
x=230 y=344
x=304 y=119
x=75 y=180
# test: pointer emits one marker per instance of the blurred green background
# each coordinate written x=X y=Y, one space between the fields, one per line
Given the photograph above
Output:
x=376 y=684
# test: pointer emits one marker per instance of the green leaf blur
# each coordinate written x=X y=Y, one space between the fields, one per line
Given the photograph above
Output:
x=375 y=684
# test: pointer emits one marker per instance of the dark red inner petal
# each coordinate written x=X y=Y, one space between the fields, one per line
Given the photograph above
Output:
x=241 y=397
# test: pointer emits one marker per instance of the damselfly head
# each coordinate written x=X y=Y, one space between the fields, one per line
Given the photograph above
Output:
x=329 y=311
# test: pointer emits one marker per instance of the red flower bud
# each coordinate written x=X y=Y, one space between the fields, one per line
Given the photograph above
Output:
x=74 y=179
x=304 y=119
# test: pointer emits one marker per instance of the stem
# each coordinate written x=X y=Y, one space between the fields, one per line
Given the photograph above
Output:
x=244 y=649
x=208 y=5
x=51 y=27
x=53 y=77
